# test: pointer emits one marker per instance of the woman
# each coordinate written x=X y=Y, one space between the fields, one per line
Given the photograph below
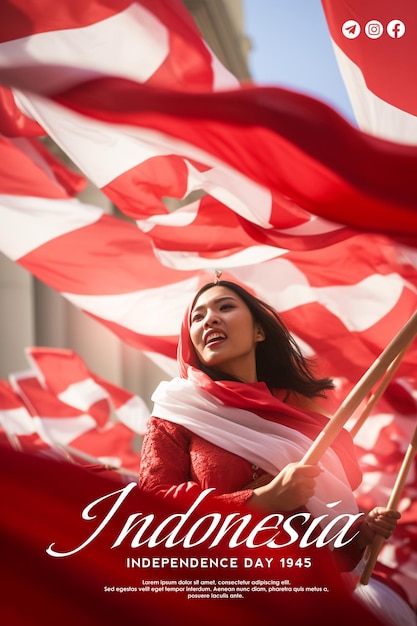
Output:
x=239 y=419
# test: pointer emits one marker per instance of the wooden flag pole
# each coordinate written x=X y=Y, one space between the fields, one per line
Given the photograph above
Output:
x=375 y=548
x=359 y=392
x=389 y=374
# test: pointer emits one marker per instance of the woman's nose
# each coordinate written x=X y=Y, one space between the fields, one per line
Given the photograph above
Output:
x=211 y=318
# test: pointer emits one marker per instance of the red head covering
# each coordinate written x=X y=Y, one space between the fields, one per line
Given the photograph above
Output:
x=186 y=355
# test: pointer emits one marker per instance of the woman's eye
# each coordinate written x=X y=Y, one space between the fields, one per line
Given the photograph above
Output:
x=224 y=307
x=196 y=318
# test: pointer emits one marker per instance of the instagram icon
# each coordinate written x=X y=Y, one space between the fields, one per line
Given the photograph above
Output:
x=374 y=29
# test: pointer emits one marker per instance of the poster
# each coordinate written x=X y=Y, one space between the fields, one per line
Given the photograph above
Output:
x=88 y=546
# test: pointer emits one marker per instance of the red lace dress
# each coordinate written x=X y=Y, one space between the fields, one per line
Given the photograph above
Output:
x=178 y=464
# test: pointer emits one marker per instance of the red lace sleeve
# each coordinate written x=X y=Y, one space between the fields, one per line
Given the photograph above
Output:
x=165 y=465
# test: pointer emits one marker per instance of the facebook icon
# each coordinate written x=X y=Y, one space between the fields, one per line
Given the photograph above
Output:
x=396 y=29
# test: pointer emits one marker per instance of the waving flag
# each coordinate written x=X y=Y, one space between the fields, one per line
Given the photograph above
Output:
x=65 y=374
x=115 y=277
x=375 y=48
x=46 y=225
x=62 y=410
x=145 y=135
x=17 y=427
x=61 y=427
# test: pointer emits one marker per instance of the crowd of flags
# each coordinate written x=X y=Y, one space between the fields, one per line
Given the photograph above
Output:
x=316 y=216
x=59 y=408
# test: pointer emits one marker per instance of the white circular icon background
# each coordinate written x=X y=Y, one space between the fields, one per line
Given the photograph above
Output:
x=395 y=29
x=374 y=29
x=351 y=29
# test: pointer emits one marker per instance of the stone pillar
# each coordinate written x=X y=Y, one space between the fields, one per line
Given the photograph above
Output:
x=17 y=328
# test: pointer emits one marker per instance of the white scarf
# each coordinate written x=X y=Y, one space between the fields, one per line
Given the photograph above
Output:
x=266 y=444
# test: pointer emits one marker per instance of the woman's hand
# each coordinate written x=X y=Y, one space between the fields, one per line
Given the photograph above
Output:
x=379 y=521
x=289 y=490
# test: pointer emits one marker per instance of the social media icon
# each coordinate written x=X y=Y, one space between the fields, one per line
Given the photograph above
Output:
x=396 y=29
x=374 y=29
x=351 y=29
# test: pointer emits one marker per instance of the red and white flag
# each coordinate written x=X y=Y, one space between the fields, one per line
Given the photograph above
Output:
x=65 y=375
x=151 y=126
x=114 y=276
x=17 y=426
x=65 y=430
x=374 y=43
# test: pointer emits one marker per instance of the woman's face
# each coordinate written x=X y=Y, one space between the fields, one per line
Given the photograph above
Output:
x=224 y=333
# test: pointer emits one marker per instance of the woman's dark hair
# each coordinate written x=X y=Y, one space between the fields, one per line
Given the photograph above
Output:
x=280 y=363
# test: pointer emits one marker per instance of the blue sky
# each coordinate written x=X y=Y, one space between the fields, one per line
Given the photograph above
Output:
x=291 y=47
